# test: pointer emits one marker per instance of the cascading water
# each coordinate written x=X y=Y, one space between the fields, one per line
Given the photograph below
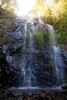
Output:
x=29 y=78
x=24 y=58
x=57 y=59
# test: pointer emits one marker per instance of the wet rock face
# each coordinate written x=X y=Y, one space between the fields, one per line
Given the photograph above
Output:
x=8 y=74
x=64 y=53
x=64 y=56
x=44 y=76
x=25 y=60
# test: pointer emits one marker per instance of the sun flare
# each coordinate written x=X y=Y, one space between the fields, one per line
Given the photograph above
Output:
x=24 y=6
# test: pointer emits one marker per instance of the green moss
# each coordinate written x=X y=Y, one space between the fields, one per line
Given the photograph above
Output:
x=28 y=34
x=21 y=53
x=49 y=37
x=50 y=67
x=22 y=50
x=39 y=38
x=5 y=40
x=27 y=38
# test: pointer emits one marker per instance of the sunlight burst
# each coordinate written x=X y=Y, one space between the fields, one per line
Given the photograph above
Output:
x=24 y=6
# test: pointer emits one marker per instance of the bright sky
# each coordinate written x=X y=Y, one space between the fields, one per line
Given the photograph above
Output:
x=24 y=6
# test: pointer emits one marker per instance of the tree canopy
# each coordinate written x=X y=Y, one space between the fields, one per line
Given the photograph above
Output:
x=8 y=4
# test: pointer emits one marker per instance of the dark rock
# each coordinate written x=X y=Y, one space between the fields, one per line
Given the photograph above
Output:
x=64 y=87
x=1 y=85
x=64 y=55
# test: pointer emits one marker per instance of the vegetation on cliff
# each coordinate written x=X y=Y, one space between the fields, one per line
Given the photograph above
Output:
x=53 y=12
x=7 y=19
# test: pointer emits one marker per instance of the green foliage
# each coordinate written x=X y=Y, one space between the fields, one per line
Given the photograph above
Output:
x=7 y=20
x=21 y=53
x=4 y=40
x=39 y=37
x=57 y=16
x=4 y=1
x=38 y=7
x=62 y=38
x=6 y=24
x=54 y=14
x=27 y=38
x=8 y=4
x=28 y=34
x=49 y=37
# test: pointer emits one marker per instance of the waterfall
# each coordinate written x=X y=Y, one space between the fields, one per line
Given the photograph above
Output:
x=29 y=79
x=24 y=57
x=57 y=58
x=32 y=66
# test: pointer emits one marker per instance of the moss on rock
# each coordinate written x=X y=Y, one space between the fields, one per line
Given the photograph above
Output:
x=39 y=38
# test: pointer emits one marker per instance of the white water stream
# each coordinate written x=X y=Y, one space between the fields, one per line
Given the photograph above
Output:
x=57 y=58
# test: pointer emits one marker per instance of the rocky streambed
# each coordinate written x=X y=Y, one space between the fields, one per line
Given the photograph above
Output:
x=37 y=95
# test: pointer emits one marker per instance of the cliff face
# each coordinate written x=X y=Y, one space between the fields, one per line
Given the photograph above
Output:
x=25 y=54
x=64 y=56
